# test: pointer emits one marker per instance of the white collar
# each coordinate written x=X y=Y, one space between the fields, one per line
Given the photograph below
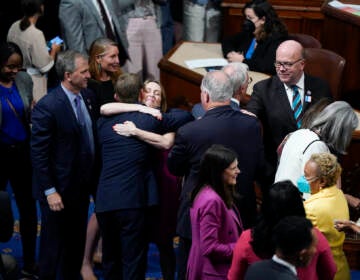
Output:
x=276 y=259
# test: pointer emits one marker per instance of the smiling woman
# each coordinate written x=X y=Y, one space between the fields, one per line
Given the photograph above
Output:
x=215 y=221
x=104 y=66
x=327 y=204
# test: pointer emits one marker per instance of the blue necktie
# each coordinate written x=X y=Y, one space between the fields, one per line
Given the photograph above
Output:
x=296 y=105
x=79 y=112
x=81 y=120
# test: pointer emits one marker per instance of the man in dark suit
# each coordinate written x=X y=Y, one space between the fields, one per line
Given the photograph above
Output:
x=271 y=100
x=220 y=125
x=82 y=23
x=295 y=245
x=63 y=158
x=238 y=73
x=127 y=185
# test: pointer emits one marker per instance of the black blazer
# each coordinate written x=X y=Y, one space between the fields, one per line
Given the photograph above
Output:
x=269 y=270
x=56 y=146
x=270 y=103
x=221 y=125
x=263 y=57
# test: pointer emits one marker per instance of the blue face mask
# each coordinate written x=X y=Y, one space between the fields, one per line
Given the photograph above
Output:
x=303 y=185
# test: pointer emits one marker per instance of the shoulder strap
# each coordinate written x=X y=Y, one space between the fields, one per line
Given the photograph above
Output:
x=310 y=144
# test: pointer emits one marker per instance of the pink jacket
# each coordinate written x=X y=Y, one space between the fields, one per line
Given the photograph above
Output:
x=215 y=229
x=322 y=266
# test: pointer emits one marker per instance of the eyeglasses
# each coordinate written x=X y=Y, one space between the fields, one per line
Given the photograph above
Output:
x=286 y=65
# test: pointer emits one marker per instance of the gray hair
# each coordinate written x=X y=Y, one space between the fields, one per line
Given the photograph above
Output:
x=65 y=62
x=218 y=85
x=238 y=74
x=336 y=124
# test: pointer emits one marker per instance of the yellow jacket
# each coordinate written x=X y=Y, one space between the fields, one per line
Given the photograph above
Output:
x=322 y=209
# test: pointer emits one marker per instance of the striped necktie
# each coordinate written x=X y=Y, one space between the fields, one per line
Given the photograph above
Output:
x=296 y=105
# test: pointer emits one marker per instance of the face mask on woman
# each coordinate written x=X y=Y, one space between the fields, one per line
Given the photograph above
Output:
x=248 y=26
x=303 y=185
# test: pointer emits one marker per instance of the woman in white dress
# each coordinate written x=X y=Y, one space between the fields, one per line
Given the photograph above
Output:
x=38 y=60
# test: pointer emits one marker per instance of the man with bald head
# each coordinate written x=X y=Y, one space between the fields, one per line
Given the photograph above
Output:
x=280 y=101
x=220 y=125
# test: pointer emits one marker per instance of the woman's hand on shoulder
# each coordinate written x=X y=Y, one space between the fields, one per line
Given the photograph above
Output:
x=127 y=128
x=151 y=111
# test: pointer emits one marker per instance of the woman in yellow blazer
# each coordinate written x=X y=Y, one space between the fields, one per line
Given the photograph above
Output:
x=327 y=204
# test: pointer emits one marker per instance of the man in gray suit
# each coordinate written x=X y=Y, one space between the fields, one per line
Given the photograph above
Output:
x=82 y=23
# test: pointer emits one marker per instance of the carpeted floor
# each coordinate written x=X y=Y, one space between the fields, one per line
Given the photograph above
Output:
x=13 y=247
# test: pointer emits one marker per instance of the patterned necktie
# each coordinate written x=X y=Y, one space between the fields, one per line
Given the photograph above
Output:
x=296 y=105
x=79 y=112
x=88 y=147
x=109 y=32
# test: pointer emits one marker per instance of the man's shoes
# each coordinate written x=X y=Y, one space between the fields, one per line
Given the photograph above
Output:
x=29 y=274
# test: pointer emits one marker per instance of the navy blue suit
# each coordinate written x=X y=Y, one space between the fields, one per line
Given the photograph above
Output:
x=269 y=102
x=198 y=110
x=125 y=189
x=59 y=162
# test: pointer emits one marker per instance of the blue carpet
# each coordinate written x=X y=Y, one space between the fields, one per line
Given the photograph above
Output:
x=13 y=247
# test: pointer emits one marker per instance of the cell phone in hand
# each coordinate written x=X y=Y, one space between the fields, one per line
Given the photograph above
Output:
x=57 y=40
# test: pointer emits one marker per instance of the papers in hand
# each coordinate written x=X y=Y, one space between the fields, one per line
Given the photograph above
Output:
x=208 y=62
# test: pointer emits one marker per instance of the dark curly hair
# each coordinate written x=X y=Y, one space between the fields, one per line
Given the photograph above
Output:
x=273 y=24
x=283 y=199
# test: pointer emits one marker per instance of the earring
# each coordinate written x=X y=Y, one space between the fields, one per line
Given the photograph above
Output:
x=99 y=67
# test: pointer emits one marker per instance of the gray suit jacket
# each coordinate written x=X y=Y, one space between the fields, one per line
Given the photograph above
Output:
x=24 y=85
x=81 y=23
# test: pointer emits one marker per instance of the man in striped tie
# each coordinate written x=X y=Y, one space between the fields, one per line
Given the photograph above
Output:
x=280 y=101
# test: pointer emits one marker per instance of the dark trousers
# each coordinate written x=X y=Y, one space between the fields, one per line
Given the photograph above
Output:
x=15 y=168
x=183 y=256
x=124 y=244
x=62 y=240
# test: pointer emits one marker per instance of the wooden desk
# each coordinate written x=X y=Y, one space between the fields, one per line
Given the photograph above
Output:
x=182 y=85
x=342 y=35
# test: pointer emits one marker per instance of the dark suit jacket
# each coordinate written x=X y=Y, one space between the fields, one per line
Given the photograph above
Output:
x=81 y=24
x=269 y=270
x=263 y=57
x=221 y=125
x=56 y=146
x=127 y=180
x=271 y=104
x=198 y=111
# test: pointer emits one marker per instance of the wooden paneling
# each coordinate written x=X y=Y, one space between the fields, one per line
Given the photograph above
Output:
x=342 y=35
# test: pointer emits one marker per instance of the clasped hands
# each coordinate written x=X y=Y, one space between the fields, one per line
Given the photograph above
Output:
x=235 y=56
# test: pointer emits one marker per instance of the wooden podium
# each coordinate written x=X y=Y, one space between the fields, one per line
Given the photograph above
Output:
x=342 y=35
x=181 y=84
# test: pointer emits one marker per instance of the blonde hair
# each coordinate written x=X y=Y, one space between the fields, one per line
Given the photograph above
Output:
x=328 y=168
x=99 y=48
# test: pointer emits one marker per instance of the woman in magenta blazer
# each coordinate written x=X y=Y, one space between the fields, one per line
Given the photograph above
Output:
x=215 y=221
